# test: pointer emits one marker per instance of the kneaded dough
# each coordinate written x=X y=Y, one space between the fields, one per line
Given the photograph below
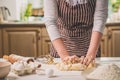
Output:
x=73 y=66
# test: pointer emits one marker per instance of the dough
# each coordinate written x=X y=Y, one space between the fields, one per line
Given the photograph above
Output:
x=76 y=66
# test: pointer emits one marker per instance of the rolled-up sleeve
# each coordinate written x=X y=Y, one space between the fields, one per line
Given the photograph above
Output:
x=50 y=18
x=100 y=16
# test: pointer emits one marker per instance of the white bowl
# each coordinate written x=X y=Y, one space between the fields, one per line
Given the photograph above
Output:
x=4 y=69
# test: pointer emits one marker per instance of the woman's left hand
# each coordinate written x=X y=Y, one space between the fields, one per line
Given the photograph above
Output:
x=88 y=59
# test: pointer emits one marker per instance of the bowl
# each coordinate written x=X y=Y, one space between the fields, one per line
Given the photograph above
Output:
x=4 y=69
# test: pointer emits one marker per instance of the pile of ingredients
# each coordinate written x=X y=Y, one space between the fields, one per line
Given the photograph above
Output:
x=105 y=72
x=26 y=65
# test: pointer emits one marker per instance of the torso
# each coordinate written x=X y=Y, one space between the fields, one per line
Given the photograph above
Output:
x=75 y=23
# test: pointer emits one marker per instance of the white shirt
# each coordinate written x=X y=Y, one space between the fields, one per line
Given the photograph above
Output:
x=51 y=15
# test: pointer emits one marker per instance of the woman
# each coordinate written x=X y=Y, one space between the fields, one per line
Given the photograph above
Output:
x=75 y=27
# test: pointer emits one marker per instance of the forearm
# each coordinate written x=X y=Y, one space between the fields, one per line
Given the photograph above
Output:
x=60 y=48
x=50 y=18
x=94 y=43
x=100 y=16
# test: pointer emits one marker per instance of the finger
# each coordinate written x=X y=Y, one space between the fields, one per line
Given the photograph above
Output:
x=72 y=59
x=82 y=59
x=85 y=61
x=75 y=56
x=66 y=59
x=89 y=61
x=77 y=59
x=93 y=61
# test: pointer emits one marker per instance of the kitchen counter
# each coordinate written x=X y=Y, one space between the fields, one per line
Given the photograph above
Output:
x=30 y=23
x=68 y=75
x=112 y=24
x=42 y=23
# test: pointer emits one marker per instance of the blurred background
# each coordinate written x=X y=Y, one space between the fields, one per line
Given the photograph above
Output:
x=22 y=30
x=23 y=10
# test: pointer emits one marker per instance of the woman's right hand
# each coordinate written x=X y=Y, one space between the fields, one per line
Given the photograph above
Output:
x=62 y=51
x=72 y=59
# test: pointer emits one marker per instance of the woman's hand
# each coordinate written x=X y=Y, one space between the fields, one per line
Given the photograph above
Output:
x=71 y=59
x=88 y=59
x=93 y=48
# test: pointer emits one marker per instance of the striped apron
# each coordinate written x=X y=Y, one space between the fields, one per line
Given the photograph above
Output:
x=75 y=23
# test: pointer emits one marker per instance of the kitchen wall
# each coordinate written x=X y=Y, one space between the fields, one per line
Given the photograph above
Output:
x=16 y=7
x=114 y=11
x=36 y=3
x=13 y=6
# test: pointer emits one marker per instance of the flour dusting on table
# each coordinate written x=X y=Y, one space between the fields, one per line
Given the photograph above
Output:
x=106 y=72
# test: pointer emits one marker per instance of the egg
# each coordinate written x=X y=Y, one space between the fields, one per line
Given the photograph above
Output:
x=19 y=72
x=31 y=65
x=20 y=66
x=49 y=72
x=29 y=71
x=14 y=65
x=37 y=65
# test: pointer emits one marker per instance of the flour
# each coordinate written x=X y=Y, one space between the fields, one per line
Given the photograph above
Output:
x=106 y=72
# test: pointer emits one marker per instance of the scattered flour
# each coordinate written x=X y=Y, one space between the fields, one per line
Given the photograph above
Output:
x=106 y=72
